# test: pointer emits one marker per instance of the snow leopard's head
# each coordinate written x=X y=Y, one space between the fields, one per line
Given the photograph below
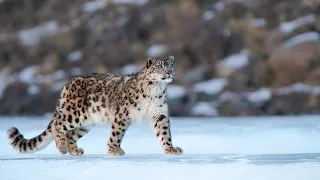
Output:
x=161 y=68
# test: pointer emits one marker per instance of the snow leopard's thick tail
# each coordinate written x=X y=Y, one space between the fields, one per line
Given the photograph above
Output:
x=23 y=145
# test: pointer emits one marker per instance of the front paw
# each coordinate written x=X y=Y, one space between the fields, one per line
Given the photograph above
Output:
x=115 y=151
x=173 y=150
x=63 y=148
x=76 y=151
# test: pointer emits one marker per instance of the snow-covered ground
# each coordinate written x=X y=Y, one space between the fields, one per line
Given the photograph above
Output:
x=264 y=148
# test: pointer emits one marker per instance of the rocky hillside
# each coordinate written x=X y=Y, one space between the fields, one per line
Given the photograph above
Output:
x=234 y=57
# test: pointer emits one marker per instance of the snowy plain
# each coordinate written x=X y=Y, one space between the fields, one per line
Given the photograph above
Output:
x=255 y=148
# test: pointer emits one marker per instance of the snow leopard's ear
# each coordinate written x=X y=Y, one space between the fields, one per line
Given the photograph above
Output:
x=149 y=62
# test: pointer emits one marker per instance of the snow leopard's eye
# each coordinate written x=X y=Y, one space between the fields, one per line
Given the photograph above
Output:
x=171 y=66
x=159 y=66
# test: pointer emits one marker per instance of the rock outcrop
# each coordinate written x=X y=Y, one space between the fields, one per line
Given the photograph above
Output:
x=234 y=57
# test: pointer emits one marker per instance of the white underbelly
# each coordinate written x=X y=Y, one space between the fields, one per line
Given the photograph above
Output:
x=95 y=118
x=139 y=115
x=99 y=117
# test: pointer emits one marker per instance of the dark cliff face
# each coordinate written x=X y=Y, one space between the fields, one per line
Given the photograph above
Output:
x=233 y=57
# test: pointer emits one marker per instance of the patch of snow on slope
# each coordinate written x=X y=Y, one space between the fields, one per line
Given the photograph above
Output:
x=219 y=6
x=30 y=76
x=130 y=68
x=258 y=22
x=261 y=95
x=290 y=26
x=175 y=91
x=226 y=32
x=58 y=75
x=204 y=109
x=213 y=86
x=75 y=56
x=92 y=6
x=308 y=36
x=76 y=71
x=299 y=88
x=33 y=89
x=208 y=15
x=235 y=61
x=157 y=50
x=227 y=96
x=136 y=2
x=27 y=75
x=33 y=36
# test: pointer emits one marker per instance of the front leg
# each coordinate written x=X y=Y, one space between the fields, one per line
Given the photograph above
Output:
x=161 y=127
x=118 y=129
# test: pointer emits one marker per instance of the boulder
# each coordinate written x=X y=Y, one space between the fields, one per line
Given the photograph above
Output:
x=291 y=104
x=237 y=105
x=291 y=65
x=50 y=64
x=63 y=42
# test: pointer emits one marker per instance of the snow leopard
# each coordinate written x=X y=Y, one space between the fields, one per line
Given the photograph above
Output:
x=101 y=98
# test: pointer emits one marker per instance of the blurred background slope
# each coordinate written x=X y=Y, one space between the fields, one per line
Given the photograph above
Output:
x=234 y=57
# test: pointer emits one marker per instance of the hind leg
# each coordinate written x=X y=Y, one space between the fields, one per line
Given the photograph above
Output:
x=59 y=132
x=71 y=113
x=66 y=122
x=73 y=136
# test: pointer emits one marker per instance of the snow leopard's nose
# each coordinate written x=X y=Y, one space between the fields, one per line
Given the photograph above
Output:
x=170 y=73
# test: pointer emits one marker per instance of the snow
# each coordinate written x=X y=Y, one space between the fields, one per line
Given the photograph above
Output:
x=60 y=74
x=208 y=15
x=130 y=68
x=258 y=22
x=226 y=32
x=136 y=2
x=75 y=71
x=30 y=76
x=33 y=36
x=93 y=6
x=299 y=88
x=204 y=109
x=33 y=89
x=259 y=148
x=179 y=168
x=175 y=91
x=157 y=50
x=227 y=96
x=304 y=37
x=212 y=86
x=235 y=61
x=75 y=56
x=261 y=95
x=58 y=86
x=290 y=26
x=219 y=6
x=45 y=79
x=27 y=75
